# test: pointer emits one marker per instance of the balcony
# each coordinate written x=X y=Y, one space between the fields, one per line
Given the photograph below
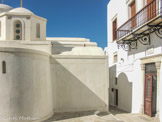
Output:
x=139 y=27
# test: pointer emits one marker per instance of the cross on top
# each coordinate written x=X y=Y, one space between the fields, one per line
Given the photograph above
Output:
x=21 y=3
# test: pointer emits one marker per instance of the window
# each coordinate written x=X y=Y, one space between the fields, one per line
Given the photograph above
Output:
x=114 y=24
x=17 y=30
x=112 y=89
x=116 y=81
x=38 y=30
x=3 y=67
x=115 y=57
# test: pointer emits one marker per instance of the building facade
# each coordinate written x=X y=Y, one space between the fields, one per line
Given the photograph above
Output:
x=135 y=55
x=42 y=75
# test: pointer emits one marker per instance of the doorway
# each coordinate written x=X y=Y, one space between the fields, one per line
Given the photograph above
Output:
x=150 y=89
x=116 y=97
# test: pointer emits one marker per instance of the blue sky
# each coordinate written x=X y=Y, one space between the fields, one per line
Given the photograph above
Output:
x=71 y=18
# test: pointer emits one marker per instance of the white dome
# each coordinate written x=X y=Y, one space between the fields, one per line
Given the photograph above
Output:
x=4 y=8
x=21 y=10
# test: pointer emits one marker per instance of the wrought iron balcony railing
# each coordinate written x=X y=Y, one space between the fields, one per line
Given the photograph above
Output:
x=148 y=13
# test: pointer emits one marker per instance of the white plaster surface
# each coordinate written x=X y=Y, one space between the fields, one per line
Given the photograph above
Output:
x=26 y=86
x=78 y=86
x=46 y=75
x=129 y=62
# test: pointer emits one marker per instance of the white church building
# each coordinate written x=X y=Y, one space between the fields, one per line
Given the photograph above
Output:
x=40 y=75
x=135 y=56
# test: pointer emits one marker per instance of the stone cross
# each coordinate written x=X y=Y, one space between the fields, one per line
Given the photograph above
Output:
x=21 y=3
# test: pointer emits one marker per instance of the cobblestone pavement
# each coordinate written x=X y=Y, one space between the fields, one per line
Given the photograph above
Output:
x=115 y=115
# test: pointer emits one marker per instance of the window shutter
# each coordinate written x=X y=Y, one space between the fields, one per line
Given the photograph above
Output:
x=115 y=29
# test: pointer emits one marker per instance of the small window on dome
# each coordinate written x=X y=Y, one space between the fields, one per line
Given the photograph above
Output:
x=38 y=30
x=3 y=67
x=17 y=30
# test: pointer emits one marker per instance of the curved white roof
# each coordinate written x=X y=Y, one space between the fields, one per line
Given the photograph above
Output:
x=21 y=10
x=4 y=8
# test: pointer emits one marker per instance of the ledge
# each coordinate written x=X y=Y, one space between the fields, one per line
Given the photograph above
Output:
x=79 y=57
x=23 y=50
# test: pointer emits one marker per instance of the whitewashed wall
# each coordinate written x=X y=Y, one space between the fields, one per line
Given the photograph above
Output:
x=160 y=91
x=25 y=89
x=80 y=83
x=131 y=65
x=28 y=27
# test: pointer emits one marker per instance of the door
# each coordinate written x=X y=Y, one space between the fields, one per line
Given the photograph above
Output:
x=150 y=89
x=133 y=13
x=151 y=10
x=116 y=97
x=154 y=91
x=148 y=95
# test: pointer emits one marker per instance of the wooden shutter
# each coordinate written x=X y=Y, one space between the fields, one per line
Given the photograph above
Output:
x=114 y=29
x=133 y=13
x=151 y=10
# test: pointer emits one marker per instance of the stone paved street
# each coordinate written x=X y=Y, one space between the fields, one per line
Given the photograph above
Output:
x=115 y=115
